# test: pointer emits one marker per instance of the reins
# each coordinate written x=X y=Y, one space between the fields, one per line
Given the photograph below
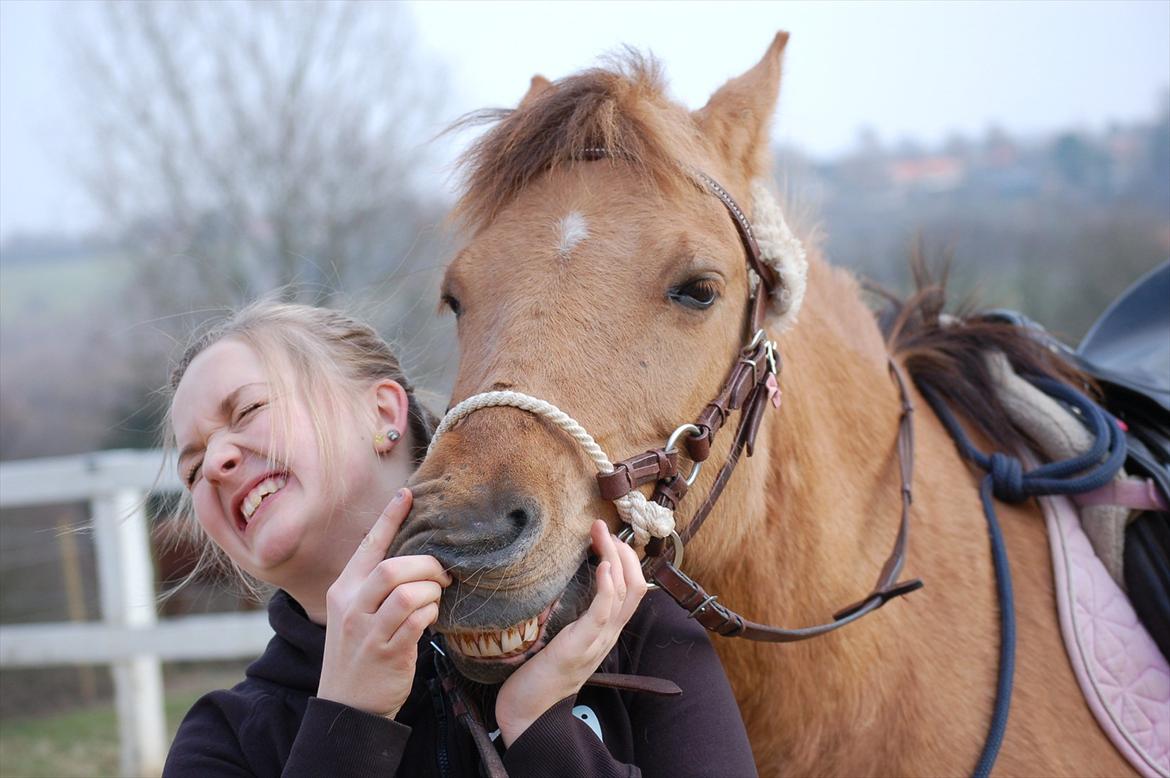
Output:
x=1007 y=480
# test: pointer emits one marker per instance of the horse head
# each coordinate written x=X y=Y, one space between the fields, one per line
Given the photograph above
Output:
x=600 y=277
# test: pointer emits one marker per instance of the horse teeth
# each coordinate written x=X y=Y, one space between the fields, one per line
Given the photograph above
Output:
x=508 y=641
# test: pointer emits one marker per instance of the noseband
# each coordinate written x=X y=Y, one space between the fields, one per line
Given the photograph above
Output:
x=750 y=387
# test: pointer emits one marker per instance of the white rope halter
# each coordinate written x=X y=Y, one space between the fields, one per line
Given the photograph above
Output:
x=646 y=519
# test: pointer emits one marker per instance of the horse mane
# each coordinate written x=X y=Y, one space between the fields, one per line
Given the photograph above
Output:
x=948 y=353
x=621 y=108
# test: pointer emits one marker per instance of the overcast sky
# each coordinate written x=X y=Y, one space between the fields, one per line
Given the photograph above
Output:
x=907 y=70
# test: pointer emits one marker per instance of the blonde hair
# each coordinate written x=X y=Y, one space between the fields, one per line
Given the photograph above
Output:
x=325 y=357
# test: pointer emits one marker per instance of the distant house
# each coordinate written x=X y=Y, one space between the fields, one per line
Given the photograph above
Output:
x=934 y=173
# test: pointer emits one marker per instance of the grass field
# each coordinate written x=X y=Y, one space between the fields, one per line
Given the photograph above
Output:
x=78 y=743
x=83 y=743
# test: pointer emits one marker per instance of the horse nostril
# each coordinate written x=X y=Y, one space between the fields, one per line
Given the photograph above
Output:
x=519 y=519
x=476 y=535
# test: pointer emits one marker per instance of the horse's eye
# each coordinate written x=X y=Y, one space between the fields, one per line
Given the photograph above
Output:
x=698 y=294
x=453 y=303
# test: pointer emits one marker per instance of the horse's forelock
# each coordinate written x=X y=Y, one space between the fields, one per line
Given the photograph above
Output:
x=621 y=108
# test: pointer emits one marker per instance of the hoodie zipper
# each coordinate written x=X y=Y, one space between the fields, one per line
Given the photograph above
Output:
x=441 y=718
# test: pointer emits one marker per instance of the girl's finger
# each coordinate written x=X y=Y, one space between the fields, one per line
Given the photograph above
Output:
x=618 y=569
x=598 y=534
x=389 y=574
x=634 y=579
x=403 y=601
x=406 y=637
x=606 y=546
x=600 y=610
x=374 y=545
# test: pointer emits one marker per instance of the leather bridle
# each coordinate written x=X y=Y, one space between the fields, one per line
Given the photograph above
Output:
x=751 y=385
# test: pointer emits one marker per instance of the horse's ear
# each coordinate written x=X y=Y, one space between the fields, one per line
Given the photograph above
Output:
x=735 y=120
x=538 y=86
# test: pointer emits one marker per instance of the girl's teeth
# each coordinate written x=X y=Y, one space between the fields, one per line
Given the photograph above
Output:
x=263 y=489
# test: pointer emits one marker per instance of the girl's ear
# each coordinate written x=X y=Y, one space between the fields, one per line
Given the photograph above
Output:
x=392 y=415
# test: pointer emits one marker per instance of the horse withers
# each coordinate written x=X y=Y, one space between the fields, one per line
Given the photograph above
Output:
x=613 y=286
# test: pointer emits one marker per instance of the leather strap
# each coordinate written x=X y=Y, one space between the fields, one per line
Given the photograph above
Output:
x=737 y=392
x=635 y=683
x=746 y=374
x=768 y=276
x=467 y=714
x=647 y=467
x=1138 y=494
x=708 y=611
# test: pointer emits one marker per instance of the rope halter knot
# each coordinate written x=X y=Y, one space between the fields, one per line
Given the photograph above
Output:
x=646 y=519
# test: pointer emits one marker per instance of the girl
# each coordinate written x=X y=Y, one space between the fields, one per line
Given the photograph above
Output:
x=295 y=431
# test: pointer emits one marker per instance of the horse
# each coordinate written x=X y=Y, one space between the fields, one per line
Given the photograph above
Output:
x=596 y=275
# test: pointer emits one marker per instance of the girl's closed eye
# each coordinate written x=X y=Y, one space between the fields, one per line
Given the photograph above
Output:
x=192 y=473
x=249 y=408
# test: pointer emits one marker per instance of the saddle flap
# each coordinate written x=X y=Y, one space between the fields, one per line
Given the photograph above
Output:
x=1130 y=344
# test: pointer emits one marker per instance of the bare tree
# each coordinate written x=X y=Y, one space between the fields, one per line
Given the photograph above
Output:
x=244 y=146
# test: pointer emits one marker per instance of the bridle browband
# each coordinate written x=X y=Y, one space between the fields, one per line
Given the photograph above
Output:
x=751 y=385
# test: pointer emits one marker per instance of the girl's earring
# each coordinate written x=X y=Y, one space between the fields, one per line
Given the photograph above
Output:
x=390 y=436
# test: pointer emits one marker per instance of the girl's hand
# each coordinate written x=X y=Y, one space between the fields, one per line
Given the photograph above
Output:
x=376 y=612
x=562 y=667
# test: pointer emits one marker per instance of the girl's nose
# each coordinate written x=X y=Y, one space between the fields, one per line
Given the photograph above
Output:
x=222 y=458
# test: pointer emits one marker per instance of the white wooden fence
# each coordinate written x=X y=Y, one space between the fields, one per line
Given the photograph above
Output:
x=130 y=637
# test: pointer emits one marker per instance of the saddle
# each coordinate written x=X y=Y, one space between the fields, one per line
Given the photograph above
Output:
x=1127 y=351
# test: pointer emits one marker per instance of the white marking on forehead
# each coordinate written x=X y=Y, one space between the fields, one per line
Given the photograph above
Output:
x=571 y=230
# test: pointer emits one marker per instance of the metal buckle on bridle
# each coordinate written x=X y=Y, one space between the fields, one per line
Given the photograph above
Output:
x=672 y=443
x=771 y=353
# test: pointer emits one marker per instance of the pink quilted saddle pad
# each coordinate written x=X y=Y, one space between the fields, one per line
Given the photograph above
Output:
x=1123 y=675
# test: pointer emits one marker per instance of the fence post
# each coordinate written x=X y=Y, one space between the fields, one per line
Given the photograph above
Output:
x=126 y=581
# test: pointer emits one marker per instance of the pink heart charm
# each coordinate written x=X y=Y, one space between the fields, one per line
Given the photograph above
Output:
x=773 y=390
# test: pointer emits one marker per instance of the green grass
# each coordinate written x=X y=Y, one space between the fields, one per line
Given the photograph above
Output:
x=80 y=743
x=53 y=289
